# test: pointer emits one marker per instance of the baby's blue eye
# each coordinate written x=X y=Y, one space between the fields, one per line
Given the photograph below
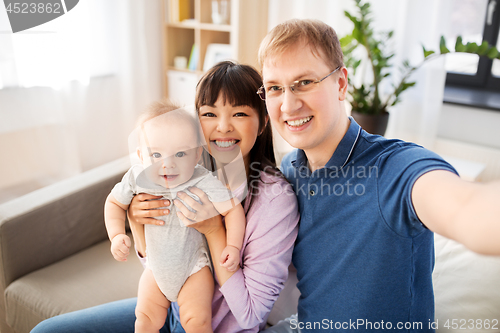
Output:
x=156 y=155
x=180 y=154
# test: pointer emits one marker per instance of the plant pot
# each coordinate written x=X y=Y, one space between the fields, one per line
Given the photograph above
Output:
x=372 y=123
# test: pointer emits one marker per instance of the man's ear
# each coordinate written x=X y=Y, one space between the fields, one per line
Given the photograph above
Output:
x=343 y=83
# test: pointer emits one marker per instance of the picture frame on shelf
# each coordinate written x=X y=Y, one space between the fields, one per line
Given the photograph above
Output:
x=216 y=53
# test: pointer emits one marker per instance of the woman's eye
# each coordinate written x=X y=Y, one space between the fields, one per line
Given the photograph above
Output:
x=180 y=154
x=156 y=155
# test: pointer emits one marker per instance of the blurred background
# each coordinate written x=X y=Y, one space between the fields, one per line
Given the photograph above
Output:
x=70 y=89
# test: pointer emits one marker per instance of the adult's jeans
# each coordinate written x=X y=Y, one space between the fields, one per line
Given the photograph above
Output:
x=114 y=317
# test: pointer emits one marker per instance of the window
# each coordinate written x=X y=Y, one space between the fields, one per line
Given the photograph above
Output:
x=476 y=21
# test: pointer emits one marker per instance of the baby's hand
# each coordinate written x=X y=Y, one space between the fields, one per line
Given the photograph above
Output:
x=230 y=258
x=120 y=246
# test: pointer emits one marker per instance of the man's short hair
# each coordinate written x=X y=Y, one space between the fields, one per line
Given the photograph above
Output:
x=318 y=35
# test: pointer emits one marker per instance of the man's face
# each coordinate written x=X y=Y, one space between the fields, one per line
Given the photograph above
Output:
x=307 y=121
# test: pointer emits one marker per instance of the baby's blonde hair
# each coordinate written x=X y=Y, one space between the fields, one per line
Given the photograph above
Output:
x=164 y=106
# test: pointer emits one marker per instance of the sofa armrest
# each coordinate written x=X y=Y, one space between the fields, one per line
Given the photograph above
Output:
x=55 y=222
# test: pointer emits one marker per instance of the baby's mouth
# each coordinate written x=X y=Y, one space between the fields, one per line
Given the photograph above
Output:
x=169 y=177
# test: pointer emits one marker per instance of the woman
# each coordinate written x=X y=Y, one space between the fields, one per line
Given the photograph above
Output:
x=231 y=115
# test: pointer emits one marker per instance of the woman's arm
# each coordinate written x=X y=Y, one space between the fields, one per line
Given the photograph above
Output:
x=272 y=228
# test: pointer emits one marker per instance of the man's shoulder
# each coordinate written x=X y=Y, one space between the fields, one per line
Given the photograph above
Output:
x=373 y=146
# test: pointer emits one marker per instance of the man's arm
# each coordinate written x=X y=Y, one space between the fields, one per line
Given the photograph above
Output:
x=463 y=211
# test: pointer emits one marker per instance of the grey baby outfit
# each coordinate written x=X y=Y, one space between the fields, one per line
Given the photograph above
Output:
x=174 y=251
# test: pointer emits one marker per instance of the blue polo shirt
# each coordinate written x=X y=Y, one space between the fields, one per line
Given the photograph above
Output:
x=364 y=260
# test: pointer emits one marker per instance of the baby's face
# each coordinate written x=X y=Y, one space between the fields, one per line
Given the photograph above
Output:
x=170 y=153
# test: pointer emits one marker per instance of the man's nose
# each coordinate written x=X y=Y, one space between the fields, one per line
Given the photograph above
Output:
x=289 y=101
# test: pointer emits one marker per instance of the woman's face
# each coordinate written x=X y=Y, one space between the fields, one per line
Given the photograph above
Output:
x=229 y=130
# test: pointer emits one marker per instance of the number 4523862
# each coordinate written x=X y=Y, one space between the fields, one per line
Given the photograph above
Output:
x=471 y=324
x=32 y=8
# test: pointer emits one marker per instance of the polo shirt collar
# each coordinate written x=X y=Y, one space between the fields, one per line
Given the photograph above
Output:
x=343 y=152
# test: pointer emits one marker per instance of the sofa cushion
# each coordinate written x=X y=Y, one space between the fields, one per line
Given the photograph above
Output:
x=86 y=279
x=466 y=288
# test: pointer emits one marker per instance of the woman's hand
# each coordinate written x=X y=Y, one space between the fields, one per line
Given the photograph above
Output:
x=145 y=207
x=142 y=210
x=205 y=218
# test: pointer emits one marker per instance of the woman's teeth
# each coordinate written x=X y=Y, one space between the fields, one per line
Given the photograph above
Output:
x=225 y=144
x=299 y=122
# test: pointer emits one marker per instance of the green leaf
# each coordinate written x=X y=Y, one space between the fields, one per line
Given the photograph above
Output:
x=352 y=18
x=358 y=35
x=346 y=40
x=442 y=46
x=492 y=53
x=427 y=53
x=459 y=46
x=471 y=47
x=483 y=48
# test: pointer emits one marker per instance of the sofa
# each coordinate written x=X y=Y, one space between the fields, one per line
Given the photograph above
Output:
x=55 y=258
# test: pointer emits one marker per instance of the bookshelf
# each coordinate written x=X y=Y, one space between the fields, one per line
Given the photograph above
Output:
x=190 y=22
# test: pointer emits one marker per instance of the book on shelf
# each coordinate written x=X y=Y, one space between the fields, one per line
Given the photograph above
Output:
x=194 y=58
x=179 y=10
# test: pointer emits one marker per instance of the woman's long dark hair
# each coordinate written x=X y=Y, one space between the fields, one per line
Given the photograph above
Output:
x=237 y=85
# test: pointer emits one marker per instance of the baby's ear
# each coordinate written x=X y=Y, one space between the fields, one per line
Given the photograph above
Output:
x=139 y=154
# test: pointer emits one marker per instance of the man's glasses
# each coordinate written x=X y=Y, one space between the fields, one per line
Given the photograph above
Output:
x=297 y=87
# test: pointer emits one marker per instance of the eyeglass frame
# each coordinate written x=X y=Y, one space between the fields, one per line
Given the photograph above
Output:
x=292 y=86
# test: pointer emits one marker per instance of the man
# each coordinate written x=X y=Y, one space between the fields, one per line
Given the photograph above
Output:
x=364 y=254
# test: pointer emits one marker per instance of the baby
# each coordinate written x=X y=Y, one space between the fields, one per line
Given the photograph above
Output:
x=178 y=262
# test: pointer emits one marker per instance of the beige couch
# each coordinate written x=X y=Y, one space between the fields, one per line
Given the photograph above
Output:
x=54 y=251
x=54 y=258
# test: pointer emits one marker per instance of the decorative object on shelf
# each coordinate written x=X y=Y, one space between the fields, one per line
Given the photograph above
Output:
x=180 y=62
x=368 y=106
x=220 y=11
x=194 y=58
x=216 y=53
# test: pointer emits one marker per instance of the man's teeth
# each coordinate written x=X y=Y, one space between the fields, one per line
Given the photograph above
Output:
x=299 y=122
x=225 y=144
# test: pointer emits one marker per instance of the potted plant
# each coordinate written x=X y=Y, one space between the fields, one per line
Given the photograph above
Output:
x=369 y=107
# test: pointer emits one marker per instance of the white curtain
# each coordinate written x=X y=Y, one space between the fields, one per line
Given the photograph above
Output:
x=415 y=22
x=73 y=87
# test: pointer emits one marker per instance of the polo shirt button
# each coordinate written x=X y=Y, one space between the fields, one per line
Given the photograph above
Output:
x=312 y=193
